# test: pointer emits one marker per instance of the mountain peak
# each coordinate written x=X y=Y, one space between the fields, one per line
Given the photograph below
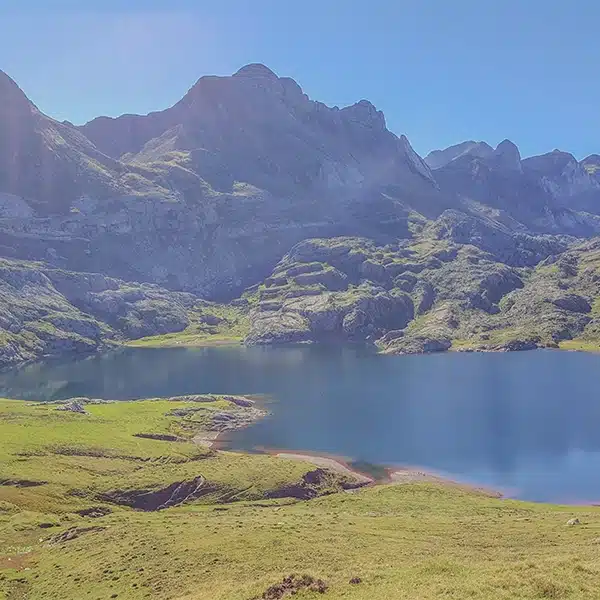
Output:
x=257 y=70
x=508 y=155
x=440 y=158
x=366 y=113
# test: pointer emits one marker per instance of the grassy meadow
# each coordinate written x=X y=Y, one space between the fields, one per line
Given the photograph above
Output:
x=64 y=536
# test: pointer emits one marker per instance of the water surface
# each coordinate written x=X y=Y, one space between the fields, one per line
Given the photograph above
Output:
x=527 y=424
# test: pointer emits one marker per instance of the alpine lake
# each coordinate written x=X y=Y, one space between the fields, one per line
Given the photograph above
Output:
x=526 y=424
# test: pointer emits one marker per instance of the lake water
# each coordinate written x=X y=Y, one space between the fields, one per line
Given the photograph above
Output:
x=527 y=424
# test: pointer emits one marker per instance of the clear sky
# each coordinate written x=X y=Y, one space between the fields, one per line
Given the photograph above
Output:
x=442 y=71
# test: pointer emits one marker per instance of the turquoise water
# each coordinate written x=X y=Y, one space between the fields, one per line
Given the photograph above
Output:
x=527 y=424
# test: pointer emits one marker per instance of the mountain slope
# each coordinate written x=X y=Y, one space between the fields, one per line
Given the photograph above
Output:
x=47 y=165
x=257 y=128
x=546 y=194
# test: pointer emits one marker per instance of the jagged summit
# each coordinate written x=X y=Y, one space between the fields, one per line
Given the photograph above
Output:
x=551 y=162
x=507 y=155
x=440 y=158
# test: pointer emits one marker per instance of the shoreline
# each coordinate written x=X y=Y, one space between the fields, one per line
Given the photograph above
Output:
x=233 y=343
x=393 y=474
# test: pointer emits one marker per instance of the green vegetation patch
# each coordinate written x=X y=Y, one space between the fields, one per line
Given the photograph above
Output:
x=210 y=325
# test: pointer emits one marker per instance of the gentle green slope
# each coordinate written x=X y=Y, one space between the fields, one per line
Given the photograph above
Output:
x=406 y=541
x=211 y=325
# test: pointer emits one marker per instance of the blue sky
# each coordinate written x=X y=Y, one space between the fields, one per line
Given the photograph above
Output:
x=442 y=71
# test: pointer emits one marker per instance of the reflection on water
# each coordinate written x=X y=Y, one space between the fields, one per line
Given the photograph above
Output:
x=527 y=422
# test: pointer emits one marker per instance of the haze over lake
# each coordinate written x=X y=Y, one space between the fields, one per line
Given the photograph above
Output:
x=524 y=423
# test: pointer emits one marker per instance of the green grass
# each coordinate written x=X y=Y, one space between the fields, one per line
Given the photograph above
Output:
x=95 y=453
x=232 y=329
x=188 y=338
x=405 y=541
x=580 y=345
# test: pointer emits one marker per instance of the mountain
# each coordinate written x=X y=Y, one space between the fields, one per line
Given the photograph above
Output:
x=552 y=193
x=207 y=195
x=45 y=165
x=257 y=128
x=440 y=158
x=334 y=225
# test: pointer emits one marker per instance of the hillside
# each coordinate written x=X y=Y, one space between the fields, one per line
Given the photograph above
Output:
x=119 y=503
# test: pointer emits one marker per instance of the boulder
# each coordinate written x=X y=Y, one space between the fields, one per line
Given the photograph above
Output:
x=331 y=279
x=75 y=406
x=573 y=303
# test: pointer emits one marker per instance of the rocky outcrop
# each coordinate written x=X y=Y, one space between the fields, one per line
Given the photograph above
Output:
x=573 y=303
x=317 y=483
x=416 y=345
x=353 y=315
x=47 y=312
x=172 y=495
x=505 y=245
x=74 y=406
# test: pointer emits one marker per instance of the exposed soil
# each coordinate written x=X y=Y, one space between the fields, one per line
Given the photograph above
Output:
x=17 y=562
x=22 y=483
x=315 y=483
x=173 y=495
x=291 y=585
x=163 y=437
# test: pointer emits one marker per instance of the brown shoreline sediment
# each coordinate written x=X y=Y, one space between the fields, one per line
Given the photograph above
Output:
x=337 y=464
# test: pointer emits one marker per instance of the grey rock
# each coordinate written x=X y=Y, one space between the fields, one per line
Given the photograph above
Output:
x=74 y=406
x=573 y=303
x=417 y=345
x=357 y=324
x=424 y=297
x=211 y=320
x=332 y=279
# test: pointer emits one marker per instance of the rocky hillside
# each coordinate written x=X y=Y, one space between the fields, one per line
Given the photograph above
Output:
x=426 y=295
x=333 y=224
x=45 y=311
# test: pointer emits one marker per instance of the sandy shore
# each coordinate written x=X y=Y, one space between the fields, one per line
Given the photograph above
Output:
x=334 y=464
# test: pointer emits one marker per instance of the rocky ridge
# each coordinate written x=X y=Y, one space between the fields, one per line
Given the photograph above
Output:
x=333 y=225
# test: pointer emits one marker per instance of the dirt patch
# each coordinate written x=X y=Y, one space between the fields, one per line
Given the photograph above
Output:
x=18 y=562
x=162 y=437
x=291 y=585
x=316 y=483
x=94 y=512
x=151 y=500
x=72 y=534
x=22 y=483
